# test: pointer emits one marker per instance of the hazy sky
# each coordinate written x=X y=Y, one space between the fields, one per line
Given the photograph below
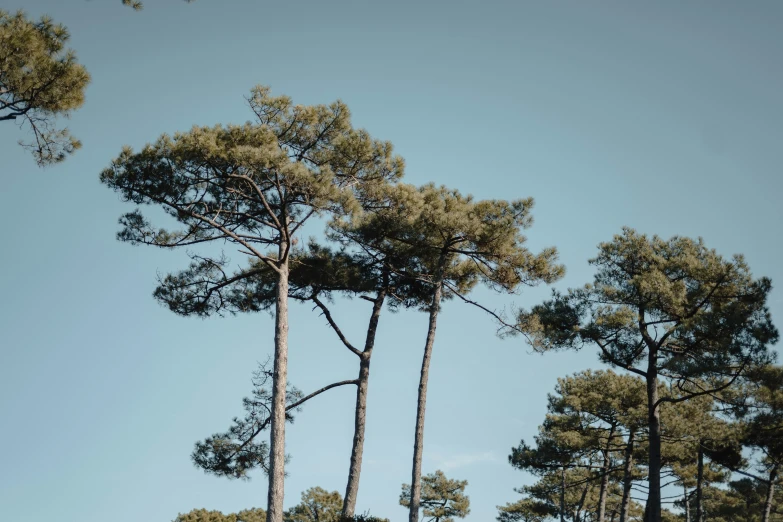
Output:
x=663 y=116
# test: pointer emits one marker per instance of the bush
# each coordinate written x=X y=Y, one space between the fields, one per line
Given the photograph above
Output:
x=364 y=517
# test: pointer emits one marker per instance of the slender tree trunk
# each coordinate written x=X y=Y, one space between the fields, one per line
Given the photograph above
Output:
x=275 y=495
x=602 y=492
x=352 y=489
x=773 y=477
x=700 y=484
x=687 y=503
x=582 y=499
x=562 y=494
x=654 y=420
x=418 y=443
x=625 y=505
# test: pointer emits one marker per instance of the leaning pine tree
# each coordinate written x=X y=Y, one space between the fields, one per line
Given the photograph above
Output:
x=452 y=243
x=672 y=310
x=253 y=186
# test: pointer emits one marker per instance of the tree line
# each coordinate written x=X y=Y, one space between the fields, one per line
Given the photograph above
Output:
x=698 y=397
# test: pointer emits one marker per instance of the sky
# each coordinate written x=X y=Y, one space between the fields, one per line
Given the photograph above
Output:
x=663 y=116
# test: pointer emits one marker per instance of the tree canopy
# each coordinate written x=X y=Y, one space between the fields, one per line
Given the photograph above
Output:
x=40 y=80
x=317 y=505
x=253 y=186
x=203 y=515
x=442 y=499
x=662 y=309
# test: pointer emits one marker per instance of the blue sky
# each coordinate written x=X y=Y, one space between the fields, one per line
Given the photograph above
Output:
x=665 y=116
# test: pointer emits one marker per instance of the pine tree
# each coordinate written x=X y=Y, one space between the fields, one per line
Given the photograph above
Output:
x=671 y=310
x=453 y=243
x=40 y=80
x=253 y=186
x=442 y=498
x=236 y=452
x=317 y=505
x=203 y=515
x=764 y=431
x=697 y=446
x=592 y=424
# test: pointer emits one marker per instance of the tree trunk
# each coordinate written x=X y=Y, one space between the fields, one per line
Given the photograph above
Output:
x=605 y=478
x=274 y=508
x=562 y=494
x=687 y=503
x=625 y=506
x=352 y=488
x=581 y=505
x=700 y=484
x=773 y=477
x=418 y=443
x=654 y=420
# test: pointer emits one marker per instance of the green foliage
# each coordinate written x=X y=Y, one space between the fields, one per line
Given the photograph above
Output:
x=526 y=510
x=704 y=316
x=691 y=427
x=233 y=454
x=583 y=438
x=39 y=80
x=742 y=501
x=662 y=309
x=765 y=422
x=541 y=501
x=203 y=515
x=441 y=234
x=203 y=289
x=442 y=499
x=317 y=505
x=253 y=185
x=364 y=517
x=585 y=415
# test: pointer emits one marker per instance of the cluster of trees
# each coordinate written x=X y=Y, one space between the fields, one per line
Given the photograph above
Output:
x=443 y=499
x=591 y=456
x=687 y=324
x=699 y=401
x=255 y=186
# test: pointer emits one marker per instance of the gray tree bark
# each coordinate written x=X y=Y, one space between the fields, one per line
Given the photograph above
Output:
x=276 y=491
x=700 y=484
x=625 y=506
x=562 y=493
x=602 y=492
x=360 y=415
x=653 y=513
x=773 y=477
x=418 y=442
